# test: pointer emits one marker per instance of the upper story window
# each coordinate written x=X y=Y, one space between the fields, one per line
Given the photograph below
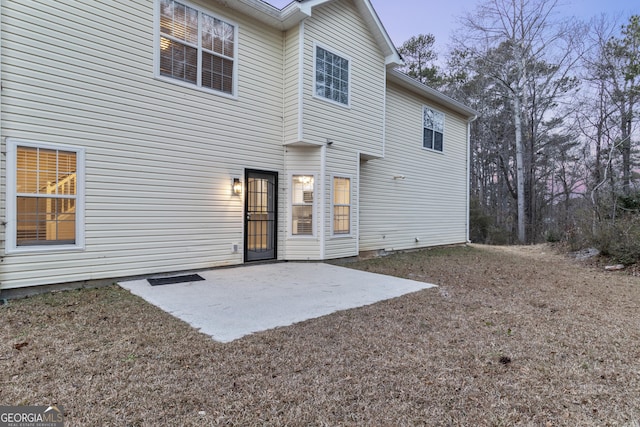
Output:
x=197 y=48
x=433 y=124
x=44 y=196
x=331 y=76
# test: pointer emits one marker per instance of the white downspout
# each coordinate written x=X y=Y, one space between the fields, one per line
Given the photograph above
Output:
x=468 y=196
x=301 y=37
x=323 y=196
x=358 y=159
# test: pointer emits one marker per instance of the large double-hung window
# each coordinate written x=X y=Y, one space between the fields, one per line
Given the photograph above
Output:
x=196 y=48
x=44 y=196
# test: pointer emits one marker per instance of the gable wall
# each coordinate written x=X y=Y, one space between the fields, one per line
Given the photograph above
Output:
x=339 y=27
x=160 y=157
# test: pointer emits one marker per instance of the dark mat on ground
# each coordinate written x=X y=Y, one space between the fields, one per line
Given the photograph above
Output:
x=175 y=279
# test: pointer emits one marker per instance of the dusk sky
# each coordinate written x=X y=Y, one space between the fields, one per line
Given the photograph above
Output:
x=405 y=18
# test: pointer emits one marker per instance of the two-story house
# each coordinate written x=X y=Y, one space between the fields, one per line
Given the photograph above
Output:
x=147 y=136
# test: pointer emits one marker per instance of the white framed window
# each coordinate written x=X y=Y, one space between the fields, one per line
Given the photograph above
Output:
x=302 y=203
x=196 y=48
x=332 y=73
x=45 y=196
x=341 y=205
x=433 y=129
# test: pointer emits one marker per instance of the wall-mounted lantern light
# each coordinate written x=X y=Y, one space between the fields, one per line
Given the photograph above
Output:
x=237 y=186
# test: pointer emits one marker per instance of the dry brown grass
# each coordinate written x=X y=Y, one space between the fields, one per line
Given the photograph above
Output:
x=513 y=336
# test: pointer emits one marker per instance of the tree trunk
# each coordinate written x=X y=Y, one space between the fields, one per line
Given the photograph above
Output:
x=517 y=121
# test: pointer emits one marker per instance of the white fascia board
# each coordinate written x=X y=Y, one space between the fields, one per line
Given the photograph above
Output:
x=282 y=19
x=432 y=94
x=392 y=57
x=296 y=11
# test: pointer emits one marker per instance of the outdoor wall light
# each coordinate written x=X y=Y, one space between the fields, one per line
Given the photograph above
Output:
x=237 y=186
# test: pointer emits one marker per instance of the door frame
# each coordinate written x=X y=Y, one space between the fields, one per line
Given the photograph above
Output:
x=274 y=230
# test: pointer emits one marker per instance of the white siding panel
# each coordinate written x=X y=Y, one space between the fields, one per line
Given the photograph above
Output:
x=430 y=204
x=341 y=162
x=159 y=157
x=338 y=26
x=292 y=84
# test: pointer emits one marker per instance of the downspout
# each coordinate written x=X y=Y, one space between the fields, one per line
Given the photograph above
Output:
x=359 y=160
x=469 y=121
x=301 y=36
x=384 y=115
x=323 y=204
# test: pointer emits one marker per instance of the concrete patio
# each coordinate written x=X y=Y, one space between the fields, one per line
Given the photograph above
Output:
x=233 y=302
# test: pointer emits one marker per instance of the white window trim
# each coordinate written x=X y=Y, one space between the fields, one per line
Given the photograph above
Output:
x=11 y=246
x=317 y=45
x=197 y=86
x=314 y=225
x=444 y=127
x=350 y=233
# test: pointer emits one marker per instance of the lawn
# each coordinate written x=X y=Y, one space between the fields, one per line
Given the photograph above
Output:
x=512 y=336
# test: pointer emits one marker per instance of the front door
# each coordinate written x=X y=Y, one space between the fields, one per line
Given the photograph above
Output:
x=260 y=210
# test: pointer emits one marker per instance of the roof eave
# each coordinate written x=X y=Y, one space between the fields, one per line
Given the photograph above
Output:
x=296 y=11
x=432 y=94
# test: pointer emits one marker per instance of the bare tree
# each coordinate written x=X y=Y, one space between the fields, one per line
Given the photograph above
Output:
x=529 y=55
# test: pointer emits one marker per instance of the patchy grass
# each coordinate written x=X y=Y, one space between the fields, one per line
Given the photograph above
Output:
x=512 y=336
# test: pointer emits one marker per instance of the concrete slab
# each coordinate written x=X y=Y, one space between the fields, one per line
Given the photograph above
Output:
x=233 y=302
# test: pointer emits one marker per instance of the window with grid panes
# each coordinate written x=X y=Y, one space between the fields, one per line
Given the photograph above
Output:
x=332 y=76
x=196 y=47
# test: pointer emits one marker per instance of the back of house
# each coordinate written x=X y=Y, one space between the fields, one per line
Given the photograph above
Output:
x=153 y=136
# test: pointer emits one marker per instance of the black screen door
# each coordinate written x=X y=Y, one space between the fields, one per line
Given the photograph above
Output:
x=260 y=210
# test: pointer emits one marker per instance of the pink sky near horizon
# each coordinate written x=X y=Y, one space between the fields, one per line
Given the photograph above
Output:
x=406 y=18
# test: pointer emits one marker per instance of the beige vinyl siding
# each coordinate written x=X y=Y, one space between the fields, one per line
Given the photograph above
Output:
x=292 y=105
x=431 y=202
x=338 y=27
x=159 y=157
x=303 y=160
x=341 y=162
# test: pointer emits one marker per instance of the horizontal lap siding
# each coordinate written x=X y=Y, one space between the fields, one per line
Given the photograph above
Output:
x=291 y=84
x=431 y=202
x=338 y=26
x=341 y=162
x=160 y=157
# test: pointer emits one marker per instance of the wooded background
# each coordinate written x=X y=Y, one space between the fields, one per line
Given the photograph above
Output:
x=554 y=150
